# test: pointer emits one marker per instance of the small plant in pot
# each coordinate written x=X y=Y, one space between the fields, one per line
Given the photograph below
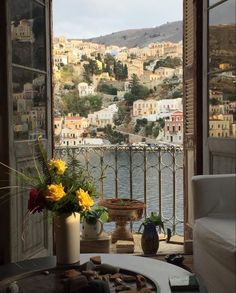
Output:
x=92 y=222
x=150 y=238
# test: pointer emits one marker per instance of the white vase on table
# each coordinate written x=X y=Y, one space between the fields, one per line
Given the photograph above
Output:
x=67 y=238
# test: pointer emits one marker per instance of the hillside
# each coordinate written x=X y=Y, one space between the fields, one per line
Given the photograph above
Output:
x=142 y=37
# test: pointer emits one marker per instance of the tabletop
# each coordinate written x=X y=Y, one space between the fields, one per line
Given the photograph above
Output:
x=158 y=271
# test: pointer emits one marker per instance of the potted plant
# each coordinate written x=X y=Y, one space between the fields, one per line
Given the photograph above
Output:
x=150 y=238
x=92 y=222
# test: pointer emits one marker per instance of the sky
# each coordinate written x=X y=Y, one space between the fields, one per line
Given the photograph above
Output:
x=93 y=18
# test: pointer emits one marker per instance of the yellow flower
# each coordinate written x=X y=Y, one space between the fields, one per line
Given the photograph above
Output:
x=55 y=192
x=58 y=166
x=84 y=199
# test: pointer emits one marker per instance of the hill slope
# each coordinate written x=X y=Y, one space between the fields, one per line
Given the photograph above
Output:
x=131 y=38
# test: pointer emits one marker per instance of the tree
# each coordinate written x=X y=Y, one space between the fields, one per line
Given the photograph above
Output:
x=90 y=69
x=177 y=94
x=214 y=102
x=120 y=116
x=155 y=131
x=107 y=68
x=134 y=84
x=125 y=71
x=70 y=103
x=120 y=70
x=130 y=98
x=99 y=58
x=161 y=122
x=95 y=103
x=137 y=91
x=137 y=128
x=83 y=106
x=113 y=136
x=107 y=89
x=109 y=62
x=148 y=129
x=84 y=58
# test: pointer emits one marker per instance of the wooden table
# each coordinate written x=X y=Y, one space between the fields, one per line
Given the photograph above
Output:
x=158 y=271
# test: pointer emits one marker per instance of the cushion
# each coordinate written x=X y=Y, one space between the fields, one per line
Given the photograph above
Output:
x=217 y=234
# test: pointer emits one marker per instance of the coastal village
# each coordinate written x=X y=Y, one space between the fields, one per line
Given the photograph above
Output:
x=106 y=94
x=134 y=94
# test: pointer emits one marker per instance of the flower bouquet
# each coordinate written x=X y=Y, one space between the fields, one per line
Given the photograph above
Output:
x=65 y=189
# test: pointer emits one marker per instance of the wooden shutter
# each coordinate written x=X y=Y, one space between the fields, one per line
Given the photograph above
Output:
x=192 y=63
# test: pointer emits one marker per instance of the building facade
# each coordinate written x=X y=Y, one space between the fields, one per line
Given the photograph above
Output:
x=173 y=130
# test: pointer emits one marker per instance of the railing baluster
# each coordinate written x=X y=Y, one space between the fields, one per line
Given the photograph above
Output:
x=116 y=173
x=130 y=173
x=102 y=175
x=159 y=181
x=174 y=190
x=86 y=159
x=145 y=180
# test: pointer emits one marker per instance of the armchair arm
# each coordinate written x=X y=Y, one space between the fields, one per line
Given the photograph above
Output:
x=214 y=194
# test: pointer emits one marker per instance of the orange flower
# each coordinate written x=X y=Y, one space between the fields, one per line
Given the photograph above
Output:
x=55 y=192
x=84 y=199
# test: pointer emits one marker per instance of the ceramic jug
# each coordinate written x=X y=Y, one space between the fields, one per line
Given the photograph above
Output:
x=92 y=231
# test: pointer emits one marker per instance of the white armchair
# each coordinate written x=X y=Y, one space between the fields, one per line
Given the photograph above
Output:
x=214 y=240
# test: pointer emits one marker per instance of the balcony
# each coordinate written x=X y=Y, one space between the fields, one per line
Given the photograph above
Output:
x=151 y=174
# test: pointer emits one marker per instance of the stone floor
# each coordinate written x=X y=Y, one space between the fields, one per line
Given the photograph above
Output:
x=174 y=246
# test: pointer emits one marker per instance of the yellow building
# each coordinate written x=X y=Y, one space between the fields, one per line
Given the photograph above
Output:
x=218 y=95
x=219 y=128
x=75 y=122
x=23 y=32
x=144 y=107
x=135 y=67
x=224 y=66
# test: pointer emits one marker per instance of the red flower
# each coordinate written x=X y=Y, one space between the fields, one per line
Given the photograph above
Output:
x=36 y=201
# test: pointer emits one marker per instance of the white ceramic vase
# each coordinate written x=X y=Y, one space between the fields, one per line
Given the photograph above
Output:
x=67 y=238
x=92 y=231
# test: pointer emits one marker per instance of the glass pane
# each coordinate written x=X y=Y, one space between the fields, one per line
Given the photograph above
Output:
x=29 y=104
x=222 y=36
x=28 y=34
x=222 y=105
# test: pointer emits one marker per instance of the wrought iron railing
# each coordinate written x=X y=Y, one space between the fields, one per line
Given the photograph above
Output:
x=151 y=174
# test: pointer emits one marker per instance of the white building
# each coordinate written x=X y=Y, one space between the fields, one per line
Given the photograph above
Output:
x=71 y=137
x=169 y=105
x=85 y=89
x=153 y=110
x=60 y=59
x=103 y=117
x=95 y=141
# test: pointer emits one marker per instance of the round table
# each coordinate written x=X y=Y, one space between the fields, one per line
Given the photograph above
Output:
x=158 y=271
